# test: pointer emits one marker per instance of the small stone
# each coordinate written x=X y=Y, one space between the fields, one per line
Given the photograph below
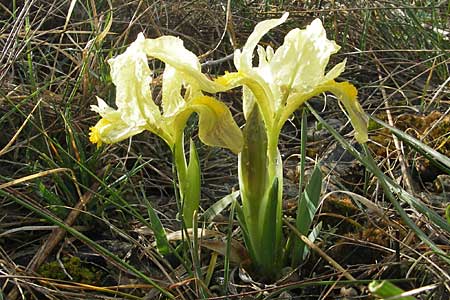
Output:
x=285 y=295
x=348 y=292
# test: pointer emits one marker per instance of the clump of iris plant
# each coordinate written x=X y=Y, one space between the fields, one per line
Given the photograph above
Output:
x=280 y=83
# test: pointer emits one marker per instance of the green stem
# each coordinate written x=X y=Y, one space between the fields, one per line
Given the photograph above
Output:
x=179 y=160
x=189 y=179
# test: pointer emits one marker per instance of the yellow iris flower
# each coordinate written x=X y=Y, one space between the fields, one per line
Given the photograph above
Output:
x=182 y=87
x=286 y=78
x=281 y=82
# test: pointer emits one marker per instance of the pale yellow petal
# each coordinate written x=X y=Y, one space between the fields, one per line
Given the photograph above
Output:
x=111 y=128
x=172 y=100
x=216 y=124
x=335 y=71
x=109 y=131
x=260 y=90
x=243 y=59
x=301 y=61
x=132 y=77
x=346 y=94
x=136 y=110
x=316 y=50
x=171 y=50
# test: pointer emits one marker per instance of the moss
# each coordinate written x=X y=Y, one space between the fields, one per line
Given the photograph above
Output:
x=80 y=271
x=339 y=212
x=432 y=129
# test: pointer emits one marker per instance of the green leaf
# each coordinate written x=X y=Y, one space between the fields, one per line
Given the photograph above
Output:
x=194 y=247
x=228 y=248
x=56 y=204
x=269 y=248
x=191 y=196
x=219 y=206
x=447 y=213
x=437 y=158
x=312 y=237
x=162 y=244
x=385 y=289
x=245 y=234
x=307 y=208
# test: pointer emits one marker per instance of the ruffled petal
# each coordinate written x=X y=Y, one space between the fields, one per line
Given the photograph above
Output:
x=132 y=77
x=300 y=63
x=136 y=110
x=314 y=53
x=243 y=60
x=171 y=50
x=112 y=127
x=348 y=97
x=172 y=100
x=216 y=124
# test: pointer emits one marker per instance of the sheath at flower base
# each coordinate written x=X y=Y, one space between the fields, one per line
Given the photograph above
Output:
x=136 y=111
x=283 y=80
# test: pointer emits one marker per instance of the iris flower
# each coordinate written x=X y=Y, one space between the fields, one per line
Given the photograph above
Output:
x=182 y=87
x=182 y=94
x=284 y=79
x=281 y=82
